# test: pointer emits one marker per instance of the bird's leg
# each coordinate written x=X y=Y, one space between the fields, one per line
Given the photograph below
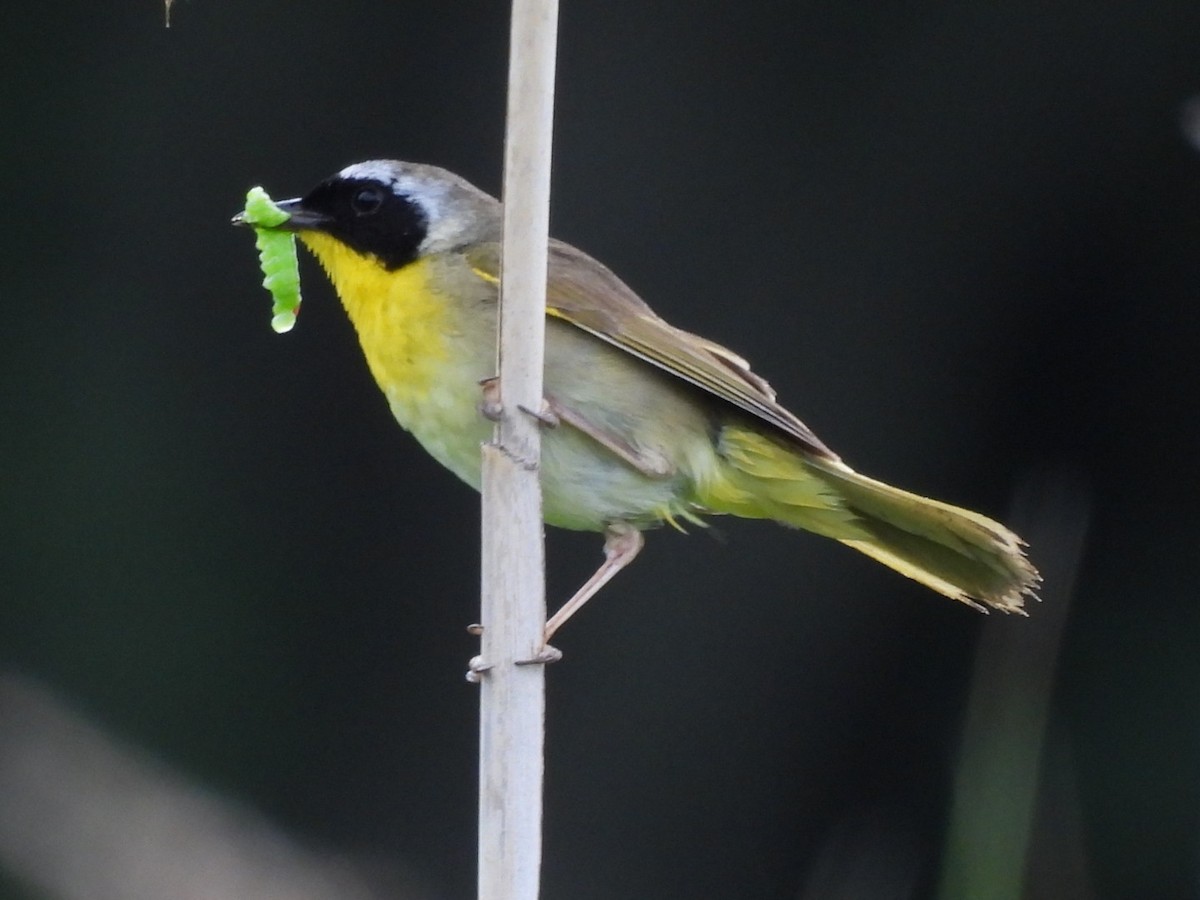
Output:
x=649 y=463
x=491 y=406
x=622 y=542
x=553 y=413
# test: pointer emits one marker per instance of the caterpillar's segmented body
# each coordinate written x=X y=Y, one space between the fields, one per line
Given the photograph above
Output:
x=276 y=257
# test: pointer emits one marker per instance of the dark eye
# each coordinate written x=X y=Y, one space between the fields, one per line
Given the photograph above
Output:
x=366 y=200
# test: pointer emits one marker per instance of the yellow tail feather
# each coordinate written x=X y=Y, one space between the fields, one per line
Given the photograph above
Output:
x=958 y=553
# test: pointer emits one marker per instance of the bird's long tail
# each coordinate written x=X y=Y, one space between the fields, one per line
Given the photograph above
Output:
x=961 y=554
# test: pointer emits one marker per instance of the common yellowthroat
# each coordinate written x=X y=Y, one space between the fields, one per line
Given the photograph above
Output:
x=649 y=424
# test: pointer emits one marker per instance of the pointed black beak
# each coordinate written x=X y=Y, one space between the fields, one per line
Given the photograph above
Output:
x=299 y=218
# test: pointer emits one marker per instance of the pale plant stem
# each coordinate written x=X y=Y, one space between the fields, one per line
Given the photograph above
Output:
x=512 y=698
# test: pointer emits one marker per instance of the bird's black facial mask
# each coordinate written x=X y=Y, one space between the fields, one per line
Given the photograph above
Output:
x=368 y=216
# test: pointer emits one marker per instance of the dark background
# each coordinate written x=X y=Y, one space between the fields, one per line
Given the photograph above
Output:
x=962 y=241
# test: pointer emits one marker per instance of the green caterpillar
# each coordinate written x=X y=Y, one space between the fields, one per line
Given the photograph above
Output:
x=276 y=257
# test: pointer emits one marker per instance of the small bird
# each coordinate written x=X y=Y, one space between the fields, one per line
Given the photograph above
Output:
x=646 y=423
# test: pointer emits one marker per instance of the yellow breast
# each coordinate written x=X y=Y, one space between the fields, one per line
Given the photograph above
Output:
x=426 y=353
x=404 y=326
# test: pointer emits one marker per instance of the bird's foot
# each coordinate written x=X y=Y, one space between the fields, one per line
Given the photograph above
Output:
x=491 y=407
x=543 y=657
x=477 y=668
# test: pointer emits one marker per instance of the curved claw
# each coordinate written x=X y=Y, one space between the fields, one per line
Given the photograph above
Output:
x=543 y=657
x=546 y=415
x=476 y=667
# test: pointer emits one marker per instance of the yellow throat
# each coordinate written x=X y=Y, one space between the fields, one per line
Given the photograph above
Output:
x=402 y=323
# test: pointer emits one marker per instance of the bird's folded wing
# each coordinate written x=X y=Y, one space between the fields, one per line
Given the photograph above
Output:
x=590 y=296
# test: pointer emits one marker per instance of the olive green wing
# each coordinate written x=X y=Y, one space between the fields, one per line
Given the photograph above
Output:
x=590 y=296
